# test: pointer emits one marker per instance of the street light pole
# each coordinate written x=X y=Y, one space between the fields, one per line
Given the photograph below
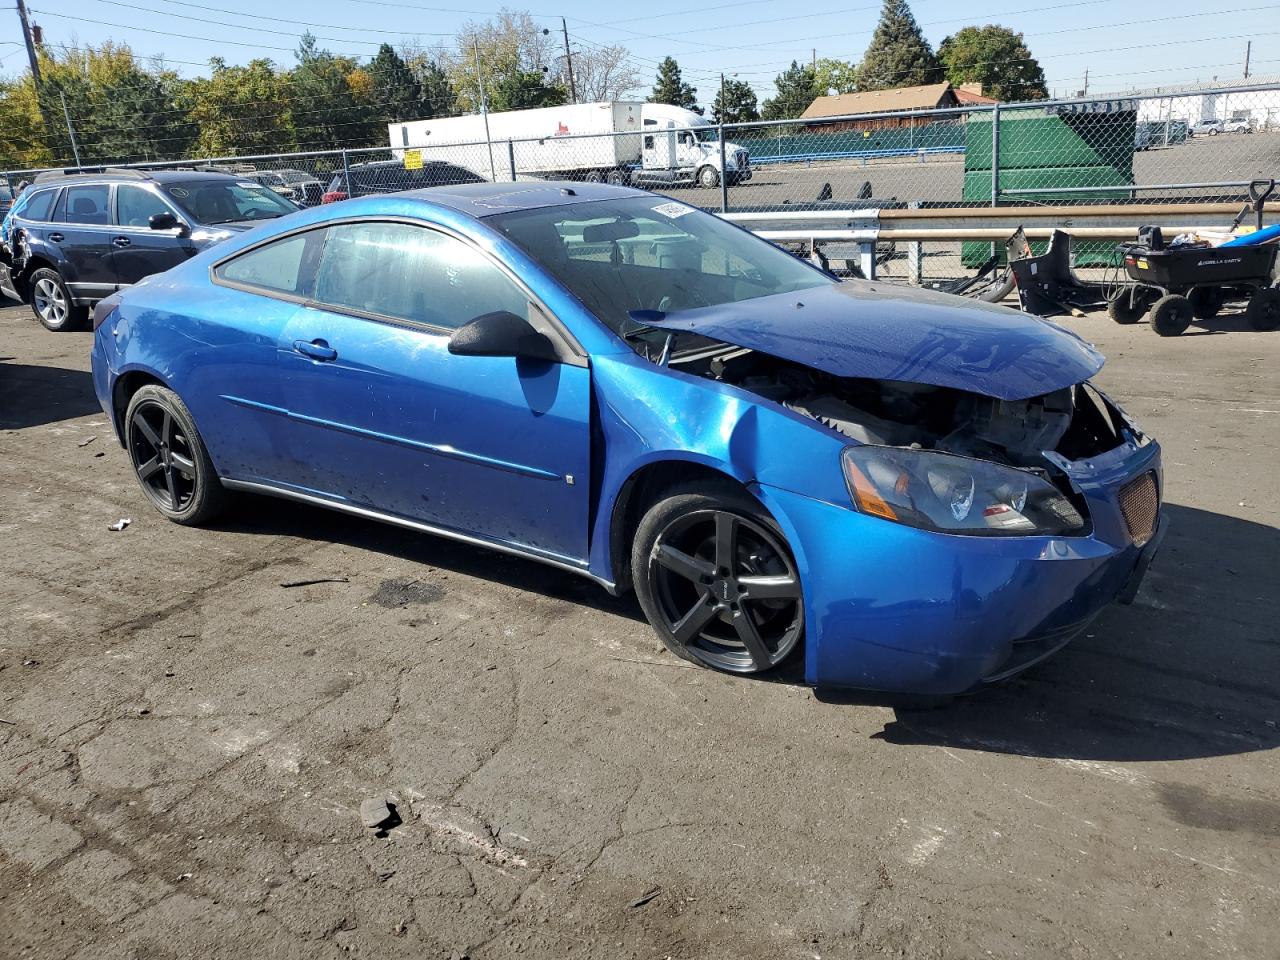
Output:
x=568 y=62
x=71 y=131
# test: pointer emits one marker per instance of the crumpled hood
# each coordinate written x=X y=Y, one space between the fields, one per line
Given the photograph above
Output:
x=877 y=331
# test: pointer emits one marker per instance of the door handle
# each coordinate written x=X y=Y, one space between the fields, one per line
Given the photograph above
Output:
x=315 y=349
x=120 y=242
x=56 y=237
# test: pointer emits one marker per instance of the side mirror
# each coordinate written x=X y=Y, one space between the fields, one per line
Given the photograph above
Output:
x=502 y=334
x=165 y=221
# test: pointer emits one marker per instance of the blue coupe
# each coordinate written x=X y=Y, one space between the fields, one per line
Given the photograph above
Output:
x=913 y=492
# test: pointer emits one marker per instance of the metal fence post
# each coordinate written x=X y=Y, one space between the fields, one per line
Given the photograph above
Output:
x=724 y=173
x=346 y=175
x=995 y=161
x=511 y=158
x=915 y=255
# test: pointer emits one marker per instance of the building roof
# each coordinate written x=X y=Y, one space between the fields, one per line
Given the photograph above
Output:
x=874 y=101
x=971 y=93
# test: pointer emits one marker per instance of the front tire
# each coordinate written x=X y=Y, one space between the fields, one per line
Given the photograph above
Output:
x=708 y=178
x=1123 y=310
x=717 y=581
x=1171 y=315
x=169 y=457
x=51 y=302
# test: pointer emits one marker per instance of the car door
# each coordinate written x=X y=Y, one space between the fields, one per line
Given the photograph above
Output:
x=84 y=239
x=385 y=417
x=136 y=249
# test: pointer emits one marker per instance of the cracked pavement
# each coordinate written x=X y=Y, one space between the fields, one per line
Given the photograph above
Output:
x=185 y=743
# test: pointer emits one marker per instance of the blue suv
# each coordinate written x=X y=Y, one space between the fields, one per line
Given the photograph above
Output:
x=73 y=239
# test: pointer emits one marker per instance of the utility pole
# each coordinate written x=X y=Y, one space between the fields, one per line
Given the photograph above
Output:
x=720 y=118
x=1085 y=92
x=1248 y=49
x=31 y=50
x=814 y=58
x=568 y=63
x=484 y=110
x=71 y=131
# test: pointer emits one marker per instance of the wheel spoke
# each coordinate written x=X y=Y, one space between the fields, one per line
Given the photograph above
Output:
x=166 y=428
x=183 y=465
x=726 y=542
x=148 y=469
x=780 y=587
x=691 y=624
x=148 y=431
x=171 y=483
x=750 y=637
x=681 y=564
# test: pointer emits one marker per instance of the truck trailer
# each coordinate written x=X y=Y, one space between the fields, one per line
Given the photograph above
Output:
x=621 y=142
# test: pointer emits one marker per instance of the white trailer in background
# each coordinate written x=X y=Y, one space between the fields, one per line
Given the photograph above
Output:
x=623 y=142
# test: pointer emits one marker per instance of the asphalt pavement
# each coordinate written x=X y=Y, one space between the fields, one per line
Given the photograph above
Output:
x=186 y=740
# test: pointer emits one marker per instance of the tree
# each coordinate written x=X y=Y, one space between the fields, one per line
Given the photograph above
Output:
x=240 y=110
x=601 y=73
x=509 y=53
x=396 y=93
x=672 y=89
x=997 y=58
x=436 y=96
x=899 y=55
x=835 y=76
x=735 y=103
x=794 y=91
x=332 y=96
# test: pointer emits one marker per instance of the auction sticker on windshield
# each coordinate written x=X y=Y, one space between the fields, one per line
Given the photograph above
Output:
x=672 y=209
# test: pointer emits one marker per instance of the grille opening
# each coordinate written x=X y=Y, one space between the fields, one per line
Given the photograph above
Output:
x=1140 y=506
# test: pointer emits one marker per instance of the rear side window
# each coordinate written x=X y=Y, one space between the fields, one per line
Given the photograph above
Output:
x=88 y=204
x=38 y=205
x=280 y=266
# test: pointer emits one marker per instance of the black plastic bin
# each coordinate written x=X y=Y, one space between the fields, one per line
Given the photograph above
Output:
x=1180 y=269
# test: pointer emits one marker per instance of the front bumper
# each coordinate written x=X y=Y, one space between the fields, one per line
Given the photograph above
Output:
x=893 y=608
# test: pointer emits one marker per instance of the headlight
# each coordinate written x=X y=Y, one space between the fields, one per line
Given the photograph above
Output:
x=950 y=494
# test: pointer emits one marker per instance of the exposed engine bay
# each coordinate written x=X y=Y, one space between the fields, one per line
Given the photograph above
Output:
x=1074 y=422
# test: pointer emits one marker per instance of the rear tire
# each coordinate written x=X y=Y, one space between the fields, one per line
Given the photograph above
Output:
x=1206 y=302
x=51 y=302
x=616 y=177
x=1123 y=311
x=716 y=579
x=593 y=176
x=1171 y=315
x=1263 y=312
x=169 y=457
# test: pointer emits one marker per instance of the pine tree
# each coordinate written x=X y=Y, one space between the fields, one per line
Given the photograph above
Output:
x=735 y=103
x=795 y=91
x=899 y=55
x=672 y=89
x=396 y=92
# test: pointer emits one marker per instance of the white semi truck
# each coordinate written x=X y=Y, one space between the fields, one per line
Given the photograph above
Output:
x=623 y=142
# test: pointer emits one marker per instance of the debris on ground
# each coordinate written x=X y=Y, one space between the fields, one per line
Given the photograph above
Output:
x=379 y=815
x=308 y=583
x=645 y=897
x=86 y=442
x=120 y=524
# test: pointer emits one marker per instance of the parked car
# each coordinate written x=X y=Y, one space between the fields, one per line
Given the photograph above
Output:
x=391 y=176
x=74 y=239
x=1239 y=125
x=1207 y=128
x=296 y=185
x=6 y=198
x=628 y=388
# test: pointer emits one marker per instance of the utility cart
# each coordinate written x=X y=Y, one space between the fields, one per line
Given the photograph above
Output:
x=1180 y=283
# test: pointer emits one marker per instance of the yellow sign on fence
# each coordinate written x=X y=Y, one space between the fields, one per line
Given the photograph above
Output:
x=413 y=159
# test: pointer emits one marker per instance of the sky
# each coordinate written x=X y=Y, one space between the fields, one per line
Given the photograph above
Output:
x=1181 y=41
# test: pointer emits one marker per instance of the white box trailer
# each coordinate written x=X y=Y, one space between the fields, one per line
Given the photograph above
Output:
x=614 y=141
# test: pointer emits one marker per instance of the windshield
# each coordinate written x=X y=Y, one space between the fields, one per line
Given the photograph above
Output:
x=647 y=253
x=295 y=176
x=705 y=134
x=228 y=201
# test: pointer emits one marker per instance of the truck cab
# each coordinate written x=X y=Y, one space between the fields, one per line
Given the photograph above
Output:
x=679 y=146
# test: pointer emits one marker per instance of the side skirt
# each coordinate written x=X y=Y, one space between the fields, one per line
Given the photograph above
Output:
x=272 y=491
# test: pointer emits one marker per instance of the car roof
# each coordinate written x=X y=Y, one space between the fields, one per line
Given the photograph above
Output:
x=134 y=176
x=488 y=199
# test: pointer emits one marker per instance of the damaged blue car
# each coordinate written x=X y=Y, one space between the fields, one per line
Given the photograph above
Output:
x=905 y=491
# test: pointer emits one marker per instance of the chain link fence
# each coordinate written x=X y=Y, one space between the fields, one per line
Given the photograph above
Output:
x=1190 y=144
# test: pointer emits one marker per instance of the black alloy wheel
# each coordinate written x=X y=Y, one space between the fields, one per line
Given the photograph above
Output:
x=717 y=581
x=169 y=458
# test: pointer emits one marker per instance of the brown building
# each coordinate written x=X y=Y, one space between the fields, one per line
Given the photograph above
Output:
x=900 y=99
